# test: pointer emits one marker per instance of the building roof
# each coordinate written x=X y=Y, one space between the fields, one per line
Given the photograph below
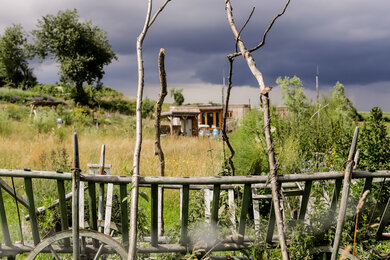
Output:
x=180 y=114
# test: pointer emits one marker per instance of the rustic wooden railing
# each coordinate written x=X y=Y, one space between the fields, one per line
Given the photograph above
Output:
x=186 y=184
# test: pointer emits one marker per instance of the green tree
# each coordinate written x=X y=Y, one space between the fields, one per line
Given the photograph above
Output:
x=81 y=49
x=148 y=107
x=374 y=142
x=14 y=69
x=177 y=96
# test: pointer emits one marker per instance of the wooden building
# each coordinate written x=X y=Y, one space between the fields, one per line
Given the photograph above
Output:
x=192 y=118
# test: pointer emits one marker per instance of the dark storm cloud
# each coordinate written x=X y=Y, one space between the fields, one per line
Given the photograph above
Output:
x=347 y=39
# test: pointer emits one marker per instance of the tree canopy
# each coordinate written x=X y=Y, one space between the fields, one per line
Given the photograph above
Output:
x=177 y=96
x=14 y=69
x=81 y=49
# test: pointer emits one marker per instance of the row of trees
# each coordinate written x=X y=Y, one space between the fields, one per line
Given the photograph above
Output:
x=80 y=48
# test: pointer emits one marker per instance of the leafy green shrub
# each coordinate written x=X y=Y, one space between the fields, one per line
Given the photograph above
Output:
x=309 y=138
x=16 y=95
x=374 y=143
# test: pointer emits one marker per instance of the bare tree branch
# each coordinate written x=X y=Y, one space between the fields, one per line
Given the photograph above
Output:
x=270 y=26
x=265 y=32
x=267 y=130
x=163 y=93
x=242 y=28
x=138 y=143
x=224 y=135
x=158 y=12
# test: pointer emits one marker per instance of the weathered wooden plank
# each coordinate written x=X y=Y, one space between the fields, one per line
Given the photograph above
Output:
x=271 y=225
x=184 y=213
x=101 y=188
x=344 y=197
x=215 y=208
x=232 y=210
x=31 y=209
x=256 y=210
x=207 y=202
x=124 y=215
x=194 y=180
x=62 y=204
x=154 y=215
x=244 y=212
x=385 y=219
x=305 y=200
x=4 y=223
x=286 y=193
x=108 y=212
x=11 y=192
x=92 y=205
x=160 y=211
x=81 y=205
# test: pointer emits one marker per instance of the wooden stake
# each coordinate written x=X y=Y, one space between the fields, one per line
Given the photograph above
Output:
x=344 y=196
x=75 y=199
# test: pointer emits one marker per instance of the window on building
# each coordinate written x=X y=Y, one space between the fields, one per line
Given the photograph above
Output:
x=210 y=119
x=203 y=120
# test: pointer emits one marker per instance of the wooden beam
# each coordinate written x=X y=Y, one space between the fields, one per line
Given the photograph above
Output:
x=344 y=197
x=271 y=225
x=75 y=199
x=32 y=210
x=154 y=215
x=215 y=208
x=4 y=223
x=244 y=212
x=184 y=213
x=124 y=215
x=305 y=200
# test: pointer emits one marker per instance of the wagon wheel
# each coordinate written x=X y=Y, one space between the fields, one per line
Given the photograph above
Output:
x=55 y=246
x=325 y=250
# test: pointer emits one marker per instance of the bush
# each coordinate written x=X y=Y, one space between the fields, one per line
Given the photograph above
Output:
x=309 y=138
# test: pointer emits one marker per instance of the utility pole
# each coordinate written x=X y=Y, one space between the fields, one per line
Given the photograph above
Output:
x=317 y=88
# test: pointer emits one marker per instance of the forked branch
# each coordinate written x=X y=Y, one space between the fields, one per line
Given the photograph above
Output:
x=265 y=32
x=267 y=126
x=138 y=142
x=224 y=134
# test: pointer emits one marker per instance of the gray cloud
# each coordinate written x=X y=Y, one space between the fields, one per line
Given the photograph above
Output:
x=348 y=40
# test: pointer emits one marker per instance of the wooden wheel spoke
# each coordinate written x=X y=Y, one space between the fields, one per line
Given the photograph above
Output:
x=54 y=253
x=107 y=244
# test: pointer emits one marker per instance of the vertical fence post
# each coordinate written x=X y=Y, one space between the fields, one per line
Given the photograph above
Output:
x=101 y=187
x=31 y=210
x=305 y=200
x=75 y=199
x=4 y=223
x=232 y=210
x=344 y=196
x=244 y=211
x=184 y=214
x=124 y=215
x=154 y=215
x=271 y=225
x=215 y=209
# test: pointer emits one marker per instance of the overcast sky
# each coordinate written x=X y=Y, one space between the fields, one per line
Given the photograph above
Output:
x=348 y=40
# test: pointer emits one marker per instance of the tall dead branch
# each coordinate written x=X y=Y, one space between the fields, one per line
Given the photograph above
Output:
x=157 y=143
x=267 y=120
x=137 y=149
x=224 y=134
x=163 y=93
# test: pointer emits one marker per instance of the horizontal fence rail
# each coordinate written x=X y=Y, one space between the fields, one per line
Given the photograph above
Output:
x=254 y=179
